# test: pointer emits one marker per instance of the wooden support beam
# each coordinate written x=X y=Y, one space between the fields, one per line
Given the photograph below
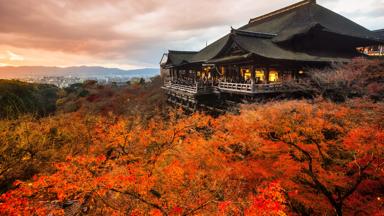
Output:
x=266 y=75
x=253 y=75
x=253 y=78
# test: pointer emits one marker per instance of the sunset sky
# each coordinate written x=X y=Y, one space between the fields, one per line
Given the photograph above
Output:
x=134 y=33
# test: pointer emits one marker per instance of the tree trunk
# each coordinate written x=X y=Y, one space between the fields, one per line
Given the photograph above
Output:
x=339 y=209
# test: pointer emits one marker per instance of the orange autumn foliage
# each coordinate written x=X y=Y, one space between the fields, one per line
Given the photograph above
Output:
x=281 y=158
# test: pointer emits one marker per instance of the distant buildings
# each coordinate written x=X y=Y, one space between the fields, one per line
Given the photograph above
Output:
x=62 y=82
x=64 y=77
x=59 y=81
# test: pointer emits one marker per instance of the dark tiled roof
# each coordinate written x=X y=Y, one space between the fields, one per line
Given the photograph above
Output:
x=177 y=58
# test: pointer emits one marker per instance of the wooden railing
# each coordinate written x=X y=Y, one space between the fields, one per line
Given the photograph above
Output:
x=201 y=88
x=252 y=88
x=197 y=88
x=235 y=86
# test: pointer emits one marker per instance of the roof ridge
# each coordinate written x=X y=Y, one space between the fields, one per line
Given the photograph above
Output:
x=252 y=33
x=181 y=51
x=282 y=10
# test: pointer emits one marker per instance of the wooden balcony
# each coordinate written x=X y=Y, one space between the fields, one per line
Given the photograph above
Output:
x=195 y=89
x=240 y=88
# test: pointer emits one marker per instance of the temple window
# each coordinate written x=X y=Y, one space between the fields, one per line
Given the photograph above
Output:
x=273 y=75
x=247 y=74
x=259 y=74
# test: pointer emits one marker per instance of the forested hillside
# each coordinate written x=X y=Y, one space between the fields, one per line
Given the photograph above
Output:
x=136 y=98
x=18 y=98
x=122 y=151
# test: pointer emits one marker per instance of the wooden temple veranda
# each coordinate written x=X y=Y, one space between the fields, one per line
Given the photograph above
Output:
x=264 y=55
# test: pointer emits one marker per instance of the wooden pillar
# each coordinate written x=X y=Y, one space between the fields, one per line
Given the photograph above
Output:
x=234 y=73
x=226 y=73
x=222 y=71
x=266 y=75
x=230 y=73
x=253 y=78
x=253 y=75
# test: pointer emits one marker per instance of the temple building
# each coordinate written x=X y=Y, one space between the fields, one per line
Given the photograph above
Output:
x=263 y=55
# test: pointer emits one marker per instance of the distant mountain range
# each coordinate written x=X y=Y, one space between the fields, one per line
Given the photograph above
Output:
x=22 y=72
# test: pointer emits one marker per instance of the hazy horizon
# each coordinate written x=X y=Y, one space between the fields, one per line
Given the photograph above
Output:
x=85 y=72
x=134 y=34
x=74 y=66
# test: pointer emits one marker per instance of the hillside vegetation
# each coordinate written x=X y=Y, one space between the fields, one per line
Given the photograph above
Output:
x=360 y=78
x=123 y=152
x=135 y=98
x=18 y=98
